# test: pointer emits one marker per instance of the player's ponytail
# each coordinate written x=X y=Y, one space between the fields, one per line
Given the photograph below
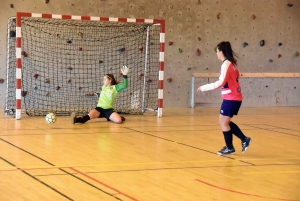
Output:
x=112 y=78
x=225 y=47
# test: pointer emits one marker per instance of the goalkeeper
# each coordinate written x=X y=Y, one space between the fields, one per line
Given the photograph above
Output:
x=109 y=92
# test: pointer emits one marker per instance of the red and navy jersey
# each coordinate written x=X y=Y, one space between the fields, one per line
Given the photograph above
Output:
x=229 y=81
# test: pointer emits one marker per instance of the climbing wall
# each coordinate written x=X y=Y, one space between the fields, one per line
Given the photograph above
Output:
x=193 y=29
x=257 y=92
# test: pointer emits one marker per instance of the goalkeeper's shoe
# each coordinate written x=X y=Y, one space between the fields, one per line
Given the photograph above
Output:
x=73 y=118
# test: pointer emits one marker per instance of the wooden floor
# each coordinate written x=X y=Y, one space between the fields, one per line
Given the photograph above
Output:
x=151 y=159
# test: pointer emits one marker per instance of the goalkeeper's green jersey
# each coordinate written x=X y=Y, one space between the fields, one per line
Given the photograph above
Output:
x=109 y=93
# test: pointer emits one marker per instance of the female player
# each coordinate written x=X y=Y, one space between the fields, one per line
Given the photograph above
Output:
x=109 y=92
x=232 y=97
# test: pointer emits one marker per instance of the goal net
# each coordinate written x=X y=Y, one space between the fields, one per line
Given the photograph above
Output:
x=64 y=61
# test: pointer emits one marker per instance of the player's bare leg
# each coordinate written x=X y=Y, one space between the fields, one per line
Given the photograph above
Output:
x=115 y=117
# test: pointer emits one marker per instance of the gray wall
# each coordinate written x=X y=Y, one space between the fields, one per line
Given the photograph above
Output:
x=186 y=20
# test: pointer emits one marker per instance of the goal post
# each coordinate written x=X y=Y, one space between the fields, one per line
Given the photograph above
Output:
x=10 y=98
x=61 y=60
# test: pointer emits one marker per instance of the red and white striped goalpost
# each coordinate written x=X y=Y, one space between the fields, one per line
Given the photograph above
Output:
x=92 y=18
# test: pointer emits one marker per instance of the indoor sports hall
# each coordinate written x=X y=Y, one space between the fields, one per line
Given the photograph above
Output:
x=132 y=100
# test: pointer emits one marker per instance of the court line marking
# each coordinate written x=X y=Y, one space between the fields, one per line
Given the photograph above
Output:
x=167 y=168
x=58 y=168
x=187 y=145
x=242 y=193
x=133 y=164
x=96 y=180
x=116 y=127
x=289 y=129
x=274 y=172
x=36 y=179
x=275 y=131
x=220 y=173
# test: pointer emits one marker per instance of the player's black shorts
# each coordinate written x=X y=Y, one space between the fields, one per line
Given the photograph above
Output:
x=104 y=112
x=230 y=107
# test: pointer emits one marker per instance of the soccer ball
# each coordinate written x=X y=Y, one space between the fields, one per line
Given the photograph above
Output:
x=50 y=118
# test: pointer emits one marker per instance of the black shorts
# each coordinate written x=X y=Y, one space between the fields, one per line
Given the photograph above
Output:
x=230 y=107
x=104 y=112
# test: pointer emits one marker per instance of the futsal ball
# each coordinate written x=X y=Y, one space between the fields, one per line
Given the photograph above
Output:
x=50 y=118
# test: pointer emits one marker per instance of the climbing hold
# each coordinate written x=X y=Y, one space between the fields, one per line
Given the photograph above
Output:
x=295 y=87
x=121 y=75
x=12 y=34
x=47 y=80
x=218 y=15
x=69 y=41
x=141 y=75
x=151 y=43
x=80 y=33
x=215 y=49
x=25 y=54
x=79 y=88
x=149 y=80
x=69 y=81
x=48 y=93
x=70 y=68
x=36 y=76
x=1 y=80
x=253 y=17
x=46 y=1
x=35 y=87
x=57 y=87
x=169 y=79
x=245 y=44
x=267 y=86
x=188 y=69
x=170 y=43
x=57 y=35
x=290 y=5
x=199 y=39
x=262 y=43
x=24 y=93
x=198 y=52
x=279 y=44
x=121 y=50
x=270 y=60
x=141 y=49
x=170 y=7
x=11 y=5
x=179 y=50
x=100 y=61
x=296 y=54
x=90 y=94
x=80 y=48
x=279 y=55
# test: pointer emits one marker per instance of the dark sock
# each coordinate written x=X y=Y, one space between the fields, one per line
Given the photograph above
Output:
x=228 y=138
x=237 y=131
x=83 y=119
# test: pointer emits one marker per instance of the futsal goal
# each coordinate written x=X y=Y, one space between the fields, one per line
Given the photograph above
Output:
x=60 y=61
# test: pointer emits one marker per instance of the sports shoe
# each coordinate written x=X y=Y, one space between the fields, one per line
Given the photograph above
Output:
x=73 y=118
x=226 y=150
x=246 y=144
